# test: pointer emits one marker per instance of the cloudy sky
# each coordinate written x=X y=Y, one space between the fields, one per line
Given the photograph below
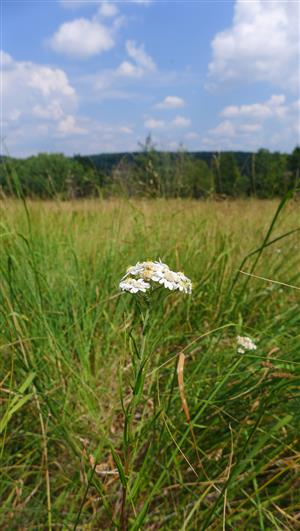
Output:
x=97 y=76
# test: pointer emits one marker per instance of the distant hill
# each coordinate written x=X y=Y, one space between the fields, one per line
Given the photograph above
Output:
x=152 y=173
x=106 y=161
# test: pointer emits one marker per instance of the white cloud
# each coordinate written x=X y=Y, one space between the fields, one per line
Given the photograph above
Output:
x=43 y=115
x=261 y=45
x=142 y=64
x=108 y=10
x=138 y=54
x=5 y=59
x=230 y=129
x=82 y=38
x=68 y=126
x=250 y=128
x=181 y=121
x=99 y=137
x=171 y=102
x=178 y=122
x=192 y=135
x=48 y=80
x=74 y=4
x=125 y=129
x=28 y=86
x=52 y=111
x=152 y=123
x=257 y=125
x=14 y=115
x=141 y=2
x=127 y=69
x=37 y=101
x=71 y=134
x=275 y=105
x=225 y=128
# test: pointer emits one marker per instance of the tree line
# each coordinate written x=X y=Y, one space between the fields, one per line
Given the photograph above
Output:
x=152 y=173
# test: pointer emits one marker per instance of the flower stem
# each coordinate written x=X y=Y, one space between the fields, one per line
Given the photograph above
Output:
x=139 y=360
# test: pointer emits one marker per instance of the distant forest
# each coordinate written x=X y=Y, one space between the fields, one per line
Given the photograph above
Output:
x=152 y=173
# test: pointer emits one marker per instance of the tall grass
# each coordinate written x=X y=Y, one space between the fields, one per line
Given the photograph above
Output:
x=65 y=340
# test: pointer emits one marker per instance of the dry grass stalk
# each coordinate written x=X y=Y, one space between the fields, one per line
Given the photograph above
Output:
x=180 y=368
x=227 y=478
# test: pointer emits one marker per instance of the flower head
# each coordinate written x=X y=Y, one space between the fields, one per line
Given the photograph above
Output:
x=134 y=285
x=160 y=273
x=145 y=269
x=244 y=344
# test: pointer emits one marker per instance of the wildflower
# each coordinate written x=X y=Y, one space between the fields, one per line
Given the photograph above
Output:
x=172 y=281
x=160 y=273
x=244 y=344
x=185 y=284
x=168 y=279
x=146 y=270
x=134 y=285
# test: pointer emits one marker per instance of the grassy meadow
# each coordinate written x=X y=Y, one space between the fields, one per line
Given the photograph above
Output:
x=68 y=338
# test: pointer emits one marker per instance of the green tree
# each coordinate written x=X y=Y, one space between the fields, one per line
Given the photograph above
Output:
x=226 y=174
x=146 y=169
x=198 y=179
x=48 y=175
x=293 y=166
x=272 y=178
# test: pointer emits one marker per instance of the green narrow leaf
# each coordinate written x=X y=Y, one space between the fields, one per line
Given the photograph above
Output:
x=27 y=382
x=17 y=402
x=119 y=466
x=13 y=408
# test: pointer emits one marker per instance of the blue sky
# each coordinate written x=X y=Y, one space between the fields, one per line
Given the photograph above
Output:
x=97 y=76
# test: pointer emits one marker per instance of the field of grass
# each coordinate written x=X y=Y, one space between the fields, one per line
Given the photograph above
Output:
x=70 y=341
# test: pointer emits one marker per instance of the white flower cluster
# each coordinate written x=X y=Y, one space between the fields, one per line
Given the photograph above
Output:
x=140 y=276
x=244 y=344
x=134 y=285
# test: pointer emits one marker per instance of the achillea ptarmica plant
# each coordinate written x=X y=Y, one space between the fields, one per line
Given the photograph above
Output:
x=143 y=278
x=145 y=275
